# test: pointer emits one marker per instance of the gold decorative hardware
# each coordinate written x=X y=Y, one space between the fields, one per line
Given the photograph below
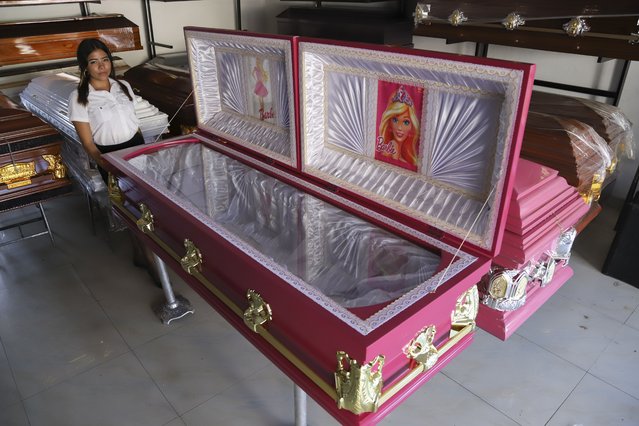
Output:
x=457 y=18
x=192 y=260
x=17 y=174
x=634 y=40
x=597 y=185
x=145 y=222
x=465 y=311
x=576 y=27
x=258 y=312
x=421 y=348
x=614 y=160
x=513 y=21
x=55 y=165
x=113 y=188
x=422 y=11
x=359 y=388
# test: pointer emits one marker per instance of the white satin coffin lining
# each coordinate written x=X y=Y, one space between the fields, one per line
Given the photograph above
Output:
x=346 y=259
x=467 y=125
x=223 y=84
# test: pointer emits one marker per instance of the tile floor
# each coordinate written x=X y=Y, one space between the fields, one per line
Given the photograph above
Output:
x=79 y=345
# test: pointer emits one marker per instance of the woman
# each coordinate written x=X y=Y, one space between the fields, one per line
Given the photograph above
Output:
x=102 y=107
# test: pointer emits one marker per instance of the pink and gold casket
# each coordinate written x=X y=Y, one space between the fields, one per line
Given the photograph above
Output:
x=337 y=204
x=533 y=261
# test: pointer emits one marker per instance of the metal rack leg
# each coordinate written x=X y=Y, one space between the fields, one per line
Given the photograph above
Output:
x=300 y=406
x=46 y=223
x=175 y=307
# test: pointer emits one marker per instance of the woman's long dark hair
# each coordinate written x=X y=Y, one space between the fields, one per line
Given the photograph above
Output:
x=85 y=48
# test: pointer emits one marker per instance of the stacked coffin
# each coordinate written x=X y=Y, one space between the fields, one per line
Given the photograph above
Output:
x=31 y=168
x=48 y=97
x=532 y=263
x=571 y=147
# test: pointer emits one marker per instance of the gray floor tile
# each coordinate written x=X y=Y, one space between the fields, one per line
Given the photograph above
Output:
x=196 y=362
x=519 y=378
x=618 y=365
x=594 y=402
x=8 y=391
x=562 y=320
x=176 y=422
x=633 y=320
x=118 y=392
x=14 y=415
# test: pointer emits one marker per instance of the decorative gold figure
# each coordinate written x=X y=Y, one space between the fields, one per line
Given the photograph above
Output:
x=359 y=388
x=576 y=27
x=258 y=312
x=421 y=348
x=17 y=174
x=457 y=18
x=113 y=188
x=55 y=165
x=192 y=260
x=465 y=311
x=145 y=222
x=513 y=21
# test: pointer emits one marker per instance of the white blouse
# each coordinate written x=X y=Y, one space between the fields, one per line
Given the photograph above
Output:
x=111 y=115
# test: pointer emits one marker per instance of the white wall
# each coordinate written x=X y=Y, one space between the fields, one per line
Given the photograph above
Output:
x=260 y=16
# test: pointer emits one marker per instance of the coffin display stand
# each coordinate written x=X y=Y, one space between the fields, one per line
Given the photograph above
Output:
x=532 y=263
x=346 y=254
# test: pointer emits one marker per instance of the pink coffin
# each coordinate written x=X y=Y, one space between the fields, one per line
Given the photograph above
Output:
x=334 y=263
x=542 y=207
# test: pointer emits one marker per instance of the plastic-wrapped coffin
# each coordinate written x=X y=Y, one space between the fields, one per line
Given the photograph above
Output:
x=31 y=168
x=48 y=97
x=532 y=263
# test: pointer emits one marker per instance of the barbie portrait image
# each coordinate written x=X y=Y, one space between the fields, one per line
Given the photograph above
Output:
x=399 y=107
x=260 y=93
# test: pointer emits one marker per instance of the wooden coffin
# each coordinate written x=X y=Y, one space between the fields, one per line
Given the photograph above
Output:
x=169 y=89
x=573 y=148
x=532 y=263
x=31 y=168
x=352 y=271
x=23 y=42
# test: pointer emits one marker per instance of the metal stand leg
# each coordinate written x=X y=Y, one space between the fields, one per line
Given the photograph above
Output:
x=300 y=406
x=175 y=307
x=46 y=223
x=91 y=216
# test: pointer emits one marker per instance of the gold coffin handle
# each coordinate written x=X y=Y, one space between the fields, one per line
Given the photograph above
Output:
x=258 y=313
x=113 y=188
x=422 y=349
x=192 y=260
x=145 y=222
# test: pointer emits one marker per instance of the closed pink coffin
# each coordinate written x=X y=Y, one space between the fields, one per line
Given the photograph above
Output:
x=365 y=249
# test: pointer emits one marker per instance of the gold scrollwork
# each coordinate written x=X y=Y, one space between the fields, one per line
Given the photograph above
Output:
x=421 y=348
x=192 y=260
x=113 y=188
x=258 y=312
x=56 y=166
x=358 y=388
x=145 y=222
x=465 y=311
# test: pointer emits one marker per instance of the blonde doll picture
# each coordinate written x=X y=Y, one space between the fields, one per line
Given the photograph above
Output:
x=262 y=105
x=398 y=111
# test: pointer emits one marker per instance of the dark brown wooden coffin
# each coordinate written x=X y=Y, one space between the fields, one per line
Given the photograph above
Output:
x=31 y=168
x=169 y=90
x=23 y=42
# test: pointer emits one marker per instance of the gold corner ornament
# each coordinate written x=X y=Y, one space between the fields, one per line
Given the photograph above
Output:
x=465 y=311
x=360 y=386
x=422 y=12
x=192 y=260
x=513 y=21
x=113 y=188
x=145 y=222
x=15 y=175
x=258 y=312
x=422 y=349
x=576 y=27
x=56 y=166
x=457 y=18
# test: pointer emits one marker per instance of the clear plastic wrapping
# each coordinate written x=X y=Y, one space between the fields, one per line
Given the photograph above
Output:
x=607 y=120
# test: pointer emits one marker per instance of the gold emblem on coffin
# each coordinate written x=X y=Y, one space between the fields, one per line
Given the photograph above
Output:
x=421 y=348
x=192 y=260
x=145 y=222
x=17 y=174
x=258 y=312
x=113 y=188
x=457 y=18
x=465 y=311
x=513 y=21
x=359 y=388
x=56 y=166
